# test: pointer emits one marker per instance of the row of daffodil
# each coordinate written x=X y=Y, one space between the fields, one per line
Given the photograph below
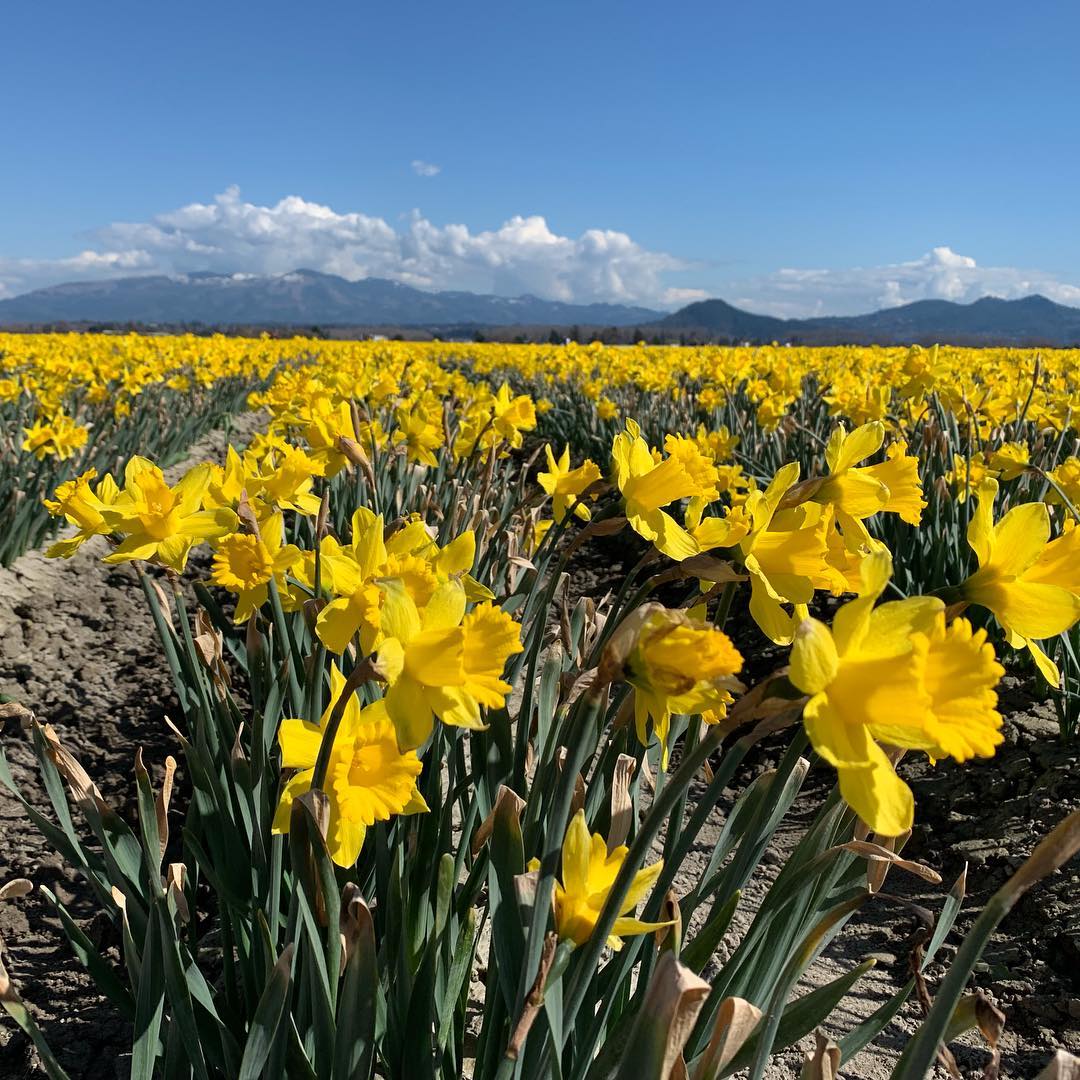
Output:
x=986 y=395
x=71 y=381
x=988 y=388
x=70 y=402
x=899 y=674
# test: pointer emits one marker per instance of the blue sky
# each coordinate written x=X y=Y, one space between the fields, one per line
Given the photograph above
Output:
x=793 y=157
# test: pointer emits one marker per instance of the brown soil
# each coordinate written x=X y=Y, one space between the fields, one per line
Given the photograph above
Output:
x=78 y=646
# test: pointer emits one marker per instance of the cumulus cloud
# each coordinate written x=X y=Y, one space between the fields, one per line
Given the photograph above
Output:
x=940 y=274
x=230 y=235
x=425 y=168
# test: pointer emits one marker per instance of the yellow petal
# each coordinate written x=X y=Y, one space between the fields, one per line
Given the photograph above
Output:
x=980 y=533
x=337 y=622
x=299 y=741
x=1029 y=609
x=882 y=800
x=814 y=661
x=1019 y=538
x=344 y=838
x=1047 y=668
x=575 y=857
x=858 y=446
x=446 y=607
x=295 y=787
x=410 y=711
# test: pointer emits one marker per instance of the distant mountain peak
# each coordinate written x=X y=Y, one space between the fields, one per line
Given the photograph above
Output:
x=1033 y=320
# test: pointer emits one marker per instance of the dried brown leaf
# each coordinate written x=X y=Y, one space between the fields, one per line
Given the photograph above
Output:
x=505 y=798
x=622 y=807
x=824 y=1062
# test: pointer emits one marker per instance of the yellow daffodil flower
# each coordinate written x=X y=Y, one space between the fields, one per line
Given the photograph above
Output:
x=1066 y=477
x=285 y=481
x=648 y=485
x=82 y=506
x=678 y=665
x=565 y=485
x=512 y=415
x=858 y=492
x=893 y=674
x=1009 y=460
x=784 y=553
x=352 y=574
x=420 y=431
x=1032 y=585
x=440 y=661
x=245 y=564
x=966 y=475
x=160 y=522
x=368 y=779
x=59 y=436
x=588 y=873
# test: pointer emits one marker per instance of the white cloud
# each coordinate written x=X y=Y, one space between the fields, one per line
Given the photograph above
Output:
x=940 y=274
x=425 y=168
x=229 y=235
x=523 y=255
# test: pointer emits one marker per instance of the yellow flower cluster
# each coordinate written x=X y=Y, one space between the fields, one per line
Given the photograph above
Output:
x=793 y=474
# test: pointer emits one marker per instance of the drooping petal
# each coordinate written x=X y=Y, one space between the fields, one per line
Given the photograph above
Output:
x=882 y=800
x=410 y=711
x=1047 y=668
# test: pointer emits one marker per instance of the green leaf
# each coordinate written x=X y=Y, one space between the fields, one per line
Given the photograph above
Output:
x=802 y=1016
x=105 y=978
x=267 y=1018
x=149 y=1006
x=874 y=1024
x=1052 y=852
x=949 y=910
x=697 y=953
x=181 y=1010
x=354 y=1049
x=17 y=1010
x=457 y=978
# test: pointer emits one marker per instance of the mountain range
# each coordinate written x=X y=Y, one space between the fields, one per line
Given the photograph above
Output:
x=306 y=298
x=1030 y=320
x=299 y=298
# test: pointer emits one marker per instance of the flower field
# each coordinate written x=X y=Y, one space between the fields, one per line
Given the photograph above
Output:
x=526 y=711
